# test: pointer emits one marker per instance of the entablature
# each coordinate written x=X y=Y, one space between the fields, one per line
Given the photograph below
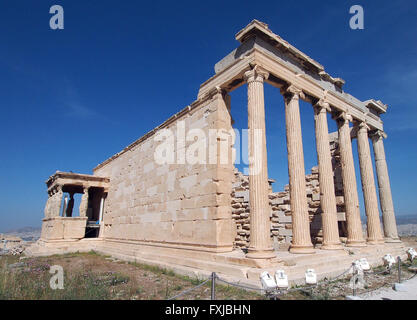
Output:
x=285 y=68
x=61 y=179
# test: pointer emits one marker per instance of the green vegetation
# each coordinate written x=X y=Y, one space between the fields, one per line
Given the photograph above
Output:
x=84 y=279
x=32 y=282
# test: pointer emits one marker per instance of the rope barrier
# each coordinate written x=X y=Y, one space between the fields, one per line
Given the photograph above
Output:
x=320 y=283
x=189 y=290
x=389 y=269
x=380 y=272
x=415 y=274
x=238 y=285
x=337 y=277
x=377 y=288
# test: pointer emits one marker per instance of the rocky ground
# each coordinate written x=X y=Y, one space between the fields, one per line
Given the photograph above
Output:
x=373 y=282
x=91 y=276
x=27 y=278
x=406 y=291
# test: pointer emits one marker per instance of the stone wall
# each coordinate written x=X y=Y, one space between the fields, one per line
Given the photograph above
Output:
x=63 y=228
x=281 y=223
x=181 y=204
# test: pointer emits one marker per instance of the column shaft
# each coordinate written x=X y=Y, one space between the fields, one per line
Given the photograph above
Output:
x=327 y=192
x=101 y=209
x=368 y=187
x=260 y=246
x=385 y=197
x=353 y=218
x=301 y=239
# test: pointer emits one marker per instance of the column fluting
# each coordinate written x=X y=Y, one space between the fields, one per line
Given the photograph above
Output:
x=331 y=239
x=260 y=246
x=353 y=218
x=385 y=196
x=368 y=186
x=301 y=239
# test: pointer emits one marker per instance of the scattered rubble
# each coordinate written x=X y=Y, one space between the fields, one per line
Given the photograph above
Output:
x=11 y=245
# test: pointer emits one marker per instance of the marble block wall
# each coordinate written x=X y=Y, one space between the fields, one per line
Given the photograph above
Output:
x=281 y=223
x=181 y=204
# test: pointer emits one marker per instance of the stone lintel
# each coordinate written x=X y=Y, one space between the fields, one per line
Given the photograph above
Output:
x=284 y=71
x=60 y=178
x=377 y=106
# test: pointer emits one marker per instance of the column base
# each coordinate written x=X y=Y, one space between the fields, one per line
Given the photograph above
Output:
x=332 y=246
x=356 y=243
x=375 y=242
x=392 y=240
x=302 y=249
x=261 y=254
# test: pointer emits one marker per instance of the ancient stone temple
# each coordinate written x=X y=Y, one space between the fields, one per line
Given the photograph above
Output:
x=156 y=202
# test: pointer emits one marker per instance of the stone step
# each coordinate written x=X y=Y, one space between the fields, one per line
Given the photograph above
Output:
x=212 y=266
x=296 y=273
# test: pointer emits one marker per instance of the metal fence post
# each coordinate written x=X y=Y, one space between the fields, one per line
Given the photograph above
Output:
x=354 y=279
x=213 y=286
x=399 y=269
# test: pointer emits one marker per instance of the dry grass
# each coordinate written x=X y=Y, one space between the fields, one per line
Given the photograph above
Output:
x=90 y=276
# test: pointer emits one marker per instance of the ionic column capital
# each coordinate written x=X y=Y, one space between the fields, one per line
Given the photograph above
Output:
x=322 y=106
x=362 y=126
x=257 y=74
x=376 y=134
x=344 y=118
x=292 y=92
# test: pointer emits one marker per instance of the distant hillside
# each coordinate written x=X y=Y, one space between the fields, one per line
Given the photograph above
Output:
x=407 y=219
x=26 y=233
x=24 y=230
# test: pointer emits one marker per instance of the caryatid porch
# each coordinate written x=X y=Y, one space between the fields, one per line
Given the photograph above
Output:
x=260 y=59
x=61 y=220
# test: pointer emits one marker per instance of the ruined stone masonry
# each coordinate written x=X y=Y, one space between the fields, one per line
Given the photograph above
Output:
x=204 y=216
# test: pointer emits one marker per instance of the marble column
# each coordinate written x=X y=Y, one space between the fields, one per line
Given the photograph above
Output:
x=385 y=197
x=353 y=218
x=101 y=209
x=84 y=203
x=368 y=186
x=301 y=238
x=260 y=246
x=331 y=239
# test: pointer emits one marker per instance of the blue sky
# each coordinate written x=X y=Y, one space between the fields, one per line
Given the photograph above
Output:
x=71 y=98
